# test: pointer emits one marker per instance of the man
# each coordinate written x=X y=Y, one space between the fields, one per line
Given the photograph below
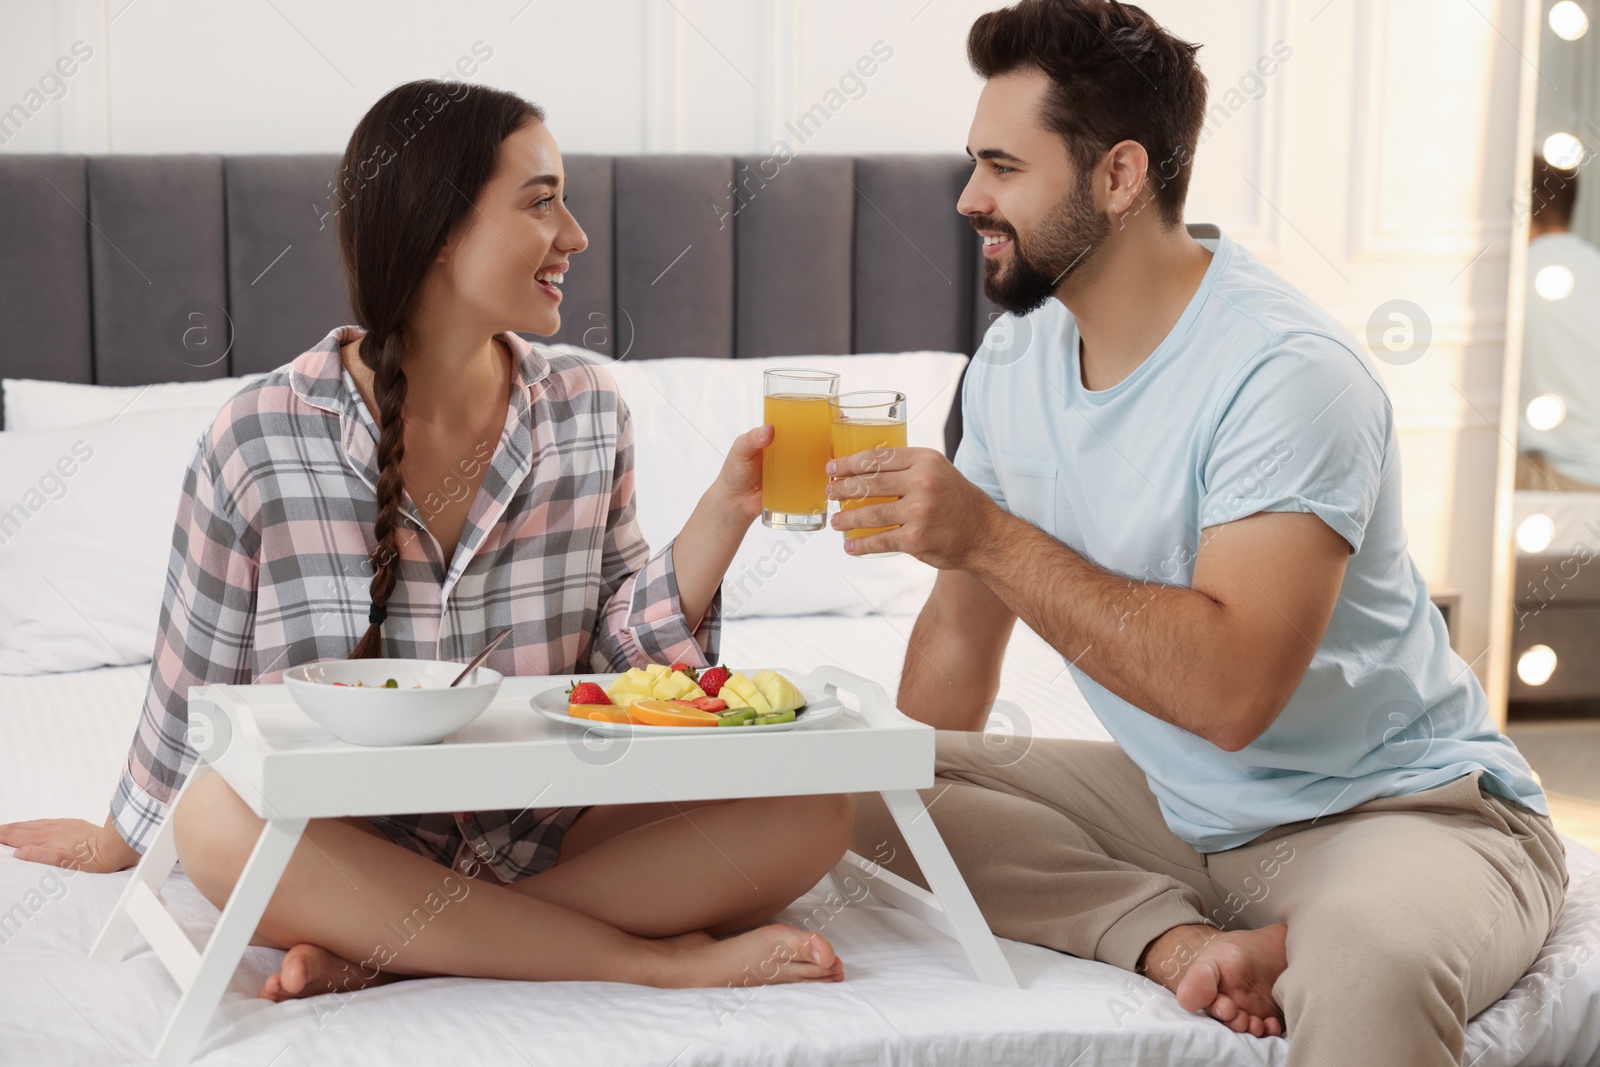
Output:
x=1188 y=482
x=1561 y=341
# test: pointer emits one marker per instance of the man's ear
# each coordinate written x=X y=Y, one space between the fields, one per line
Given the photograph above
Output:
x=1127 y=169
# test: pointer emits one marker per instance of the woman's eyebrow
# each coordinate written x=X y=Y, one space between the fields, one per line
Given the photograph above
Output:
x=541 y=179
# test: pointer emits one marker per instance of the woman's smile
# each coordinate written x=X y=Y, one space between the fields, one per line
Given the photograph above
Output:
x=549 y=278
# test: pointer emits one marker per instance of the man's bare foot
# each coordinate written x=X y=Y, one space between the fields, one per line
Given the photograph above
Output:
x=768 y=955
x=1228 y=973
x=310 y=970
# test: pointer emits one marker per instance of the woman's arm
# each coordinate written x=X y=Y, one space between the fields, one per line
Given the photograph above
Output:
x=705 y=548
x=664 y=608
x=207 y=625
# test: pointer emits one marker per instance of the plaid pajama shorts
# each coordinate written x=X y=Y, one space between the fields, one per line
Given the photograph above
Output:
x=513 y=845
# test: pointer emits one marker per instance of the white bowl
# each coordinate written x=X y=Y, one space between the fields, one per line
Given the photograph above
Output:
x=374 y=715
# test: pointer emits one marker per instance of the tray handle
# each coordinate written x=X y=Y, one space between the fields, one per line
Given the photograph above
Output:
x=876 y=707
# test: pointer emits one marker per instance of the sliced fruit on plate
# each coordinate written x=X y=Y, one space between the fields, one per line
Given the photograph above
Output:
x=711 y=680
x=781 y=693
x=598 y=712
x=587 y=693
x=739 y=717
x=654 y=682
x=651 y=712
x=741 y=692
x=773 y=717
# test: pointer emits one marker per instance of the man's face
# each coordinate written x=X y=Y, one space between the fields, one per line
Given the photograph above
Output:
x=1035 y=210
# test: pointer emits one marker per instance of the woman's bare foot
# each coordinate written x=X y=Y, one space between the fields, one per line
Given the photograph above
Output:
x=770 y=954
x=310 y=970
x=1228 y=973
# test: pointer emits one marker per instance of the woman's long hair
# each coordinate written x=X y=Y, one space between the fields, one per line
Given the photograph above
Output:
x=410 y=174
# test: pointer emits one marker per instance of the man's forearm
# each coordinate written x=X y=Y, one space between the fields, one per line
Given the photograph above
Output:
x=951 y=672
x=1162 y=648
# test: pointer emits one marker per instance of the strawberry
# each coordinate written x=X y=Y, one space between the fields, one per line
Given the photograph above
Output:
x=686 y=669
x=587 y=693
x=711 y=681
x=711 y=704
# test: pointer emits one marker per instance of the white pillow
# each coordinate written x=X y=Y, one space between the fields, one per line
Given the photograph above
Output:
x=37 y=405
x=86 y=515
x=686 y=414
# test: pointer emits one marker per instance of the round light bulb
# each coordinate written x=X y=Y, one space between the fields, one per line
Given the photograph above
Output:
x=1563 y=150
x=1568 y=21
x=1536 y=665
x=1554 y=282
x=1535 y=533
x=1546 y=411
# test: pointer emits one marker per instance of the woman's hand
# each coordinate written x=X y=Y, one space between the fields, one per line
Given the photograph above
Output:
x=71 y=843
x=738 y=484
x=703 y=551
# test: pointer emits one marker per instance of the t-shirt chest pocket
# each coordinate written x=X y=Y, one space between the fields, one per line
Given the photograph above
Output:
x=1029 y=485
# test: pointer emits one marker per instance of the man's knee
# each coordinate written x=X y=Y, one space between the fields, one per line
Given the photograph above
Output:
x=1360 y=962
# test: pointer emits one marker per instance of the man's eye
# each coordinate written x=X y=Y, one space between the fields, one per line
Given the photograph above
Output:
x=999 y=169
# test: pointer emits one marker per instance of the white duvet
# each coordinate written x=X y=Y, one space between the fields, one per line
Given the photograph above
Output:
x=910 y=997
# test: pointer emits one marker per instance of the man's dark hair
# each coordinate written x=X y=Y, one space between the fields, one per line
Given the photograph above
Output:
x=1554 y=192
x=1115 y=75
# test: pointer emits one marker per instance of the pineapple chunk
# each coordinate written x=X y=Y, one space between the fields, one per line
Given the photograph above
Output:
x=678 y=686
x=654 y=682
x=781 y=693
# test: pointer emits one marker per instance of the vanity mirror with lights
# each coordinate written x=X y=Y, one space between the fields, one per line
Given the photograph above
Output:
x=1553 y=536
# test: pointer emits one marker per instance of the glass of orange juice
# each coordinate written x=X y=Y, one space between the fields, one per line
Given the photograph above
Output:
x=872 y=418
x=794 y=467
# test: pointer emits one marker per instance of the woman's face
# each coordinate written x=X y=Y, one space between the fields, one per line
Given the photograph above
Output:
x=504 y=262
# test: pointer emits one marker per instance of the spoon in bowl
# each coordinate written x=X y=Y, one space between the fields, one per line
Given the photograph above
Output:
x=481 y=656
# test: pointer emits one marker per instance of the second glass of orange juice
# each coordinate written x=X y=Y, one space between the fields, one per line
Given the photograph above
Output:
x=869 y=419
x=794 y=475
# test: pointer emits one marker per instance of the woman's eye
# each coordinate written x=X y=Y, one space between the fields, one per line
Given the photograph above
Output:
x=545 y=203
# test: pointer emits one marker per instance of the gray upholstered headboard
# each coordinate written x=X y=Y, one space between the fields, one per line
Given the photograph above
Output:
x=126 y=270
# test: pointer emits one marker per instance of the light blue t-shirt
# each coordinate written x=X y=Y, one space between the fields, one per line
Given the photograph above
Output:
x=1257 y=400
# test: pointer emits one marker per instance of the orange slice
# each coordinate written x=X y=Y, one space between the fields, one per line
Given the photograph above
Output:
x=668 y=713
x=601 y=712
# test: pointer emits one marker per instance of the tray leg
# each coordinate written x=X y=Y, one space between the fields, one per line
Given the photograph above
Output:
x=116 y=937
x=222 y=953
x=950 y=890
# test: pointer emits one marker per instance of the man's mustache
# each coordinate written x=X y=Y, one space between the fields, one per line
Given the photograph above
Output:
x=986 y=222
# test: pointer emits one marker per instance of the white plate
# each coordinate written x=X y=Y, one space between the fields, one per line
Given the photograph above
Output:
x=552 y=704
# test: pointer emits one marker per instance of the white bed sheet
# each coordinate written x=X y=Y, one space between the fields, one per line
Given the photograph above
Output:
x=910 y=997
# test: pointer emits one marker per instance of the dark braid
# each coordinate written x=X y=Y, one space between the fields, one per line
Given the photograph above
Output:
x=389 y=390
x=414 y=165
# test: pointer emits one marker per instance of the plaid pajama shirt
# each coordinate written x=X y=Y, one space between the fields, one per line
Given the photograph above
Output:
x=271 y=560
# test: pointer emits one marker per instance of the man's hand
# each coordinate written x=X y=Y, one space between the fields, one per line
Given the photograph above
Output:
x=942 y=518
x=70 y=843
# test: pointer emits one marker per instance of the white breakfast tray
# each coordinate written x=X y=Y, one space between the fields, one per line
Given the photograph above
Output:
x=290 y=770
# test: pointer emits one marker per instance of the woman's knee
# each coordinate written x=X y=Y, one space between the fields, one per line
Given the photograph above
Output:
x=214 y=831
x=831 y=818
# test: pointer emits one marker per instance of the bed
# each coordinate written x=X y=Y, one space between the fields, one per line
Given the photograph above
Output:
x=887 y=268
x=909 y=998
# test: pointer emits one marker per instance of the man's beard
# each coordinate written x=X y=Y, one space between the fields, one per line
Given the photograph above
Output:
x=1058 y=247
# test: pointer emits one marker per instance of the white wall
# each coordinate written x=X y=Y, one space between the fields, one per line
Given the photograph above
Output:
x=1373 y=165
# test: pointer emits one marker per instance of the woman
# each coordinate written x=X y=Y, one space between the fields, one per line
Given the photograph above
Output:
x=382 y=476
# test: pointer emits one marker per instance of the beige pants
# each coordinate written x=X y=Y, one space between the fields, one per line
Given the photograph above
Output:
x=1407 y=915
